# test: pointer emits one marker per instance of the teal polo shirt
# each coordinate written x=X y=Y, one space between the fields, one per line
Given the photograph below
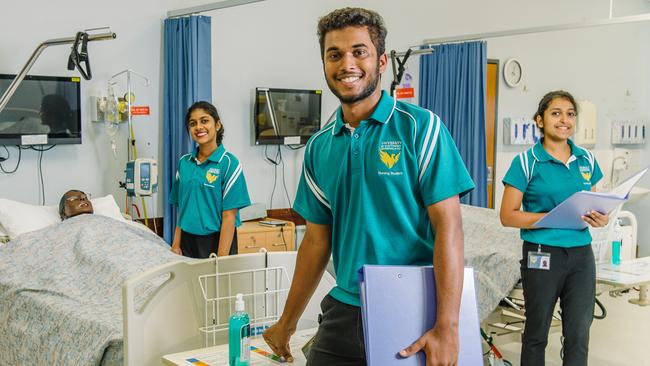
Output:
x=373 y=187
x=546 y=182
x=202 y=191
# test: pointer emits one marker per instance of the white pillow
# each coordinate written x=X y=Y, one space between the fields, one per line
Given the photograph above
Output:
x=18 y=218
x=107 y=206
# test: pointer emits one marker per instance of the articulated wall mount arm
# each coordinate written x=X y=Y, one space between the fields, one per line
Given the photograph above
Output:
x=76 y=57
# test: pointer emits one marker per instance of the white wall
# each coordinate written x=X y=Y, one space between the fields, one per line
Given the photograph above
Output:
x=273 y=43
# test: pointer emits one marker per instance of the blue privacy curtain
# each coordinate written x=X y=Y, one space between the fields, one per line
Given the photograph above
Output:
x=187 y=79
x=452 y=85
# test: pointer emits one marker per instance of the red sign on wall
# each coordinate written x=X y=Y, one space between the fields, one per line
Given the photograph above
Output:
x=404 y=93
x=140 y=110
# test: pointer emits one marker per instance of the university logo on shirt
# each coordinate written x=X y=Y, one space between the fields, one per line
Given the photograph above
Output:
x=585 y=172
x=389 y=159
x=389 y=154
x=212 y=175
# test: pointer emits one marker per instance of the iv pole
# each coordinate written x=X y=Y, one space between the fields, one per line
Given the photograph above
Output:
x=132 y=152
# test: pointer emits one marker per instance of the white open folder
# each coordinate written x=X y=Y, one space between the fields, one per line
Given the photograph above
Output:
x=568 y=214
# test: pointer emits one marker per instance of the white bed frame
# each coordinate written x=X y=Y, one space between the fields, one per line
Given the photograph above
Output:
x=170 y=318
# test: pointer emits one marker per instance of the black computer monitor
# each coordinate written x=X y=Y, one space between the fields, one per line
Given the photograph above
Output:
x=43 y=110
x=286 y=116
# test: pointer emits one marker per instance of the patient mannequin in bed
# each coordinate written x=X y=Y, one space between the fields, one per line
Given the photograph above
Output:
x=73 y=203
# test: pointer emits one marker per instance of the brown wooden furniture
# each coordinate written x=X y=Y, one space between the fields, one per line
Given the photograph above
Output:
x=252 y=237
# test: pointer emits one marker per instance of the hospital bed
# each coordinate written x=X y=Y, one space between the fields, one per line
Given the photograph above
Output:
x=60 y=290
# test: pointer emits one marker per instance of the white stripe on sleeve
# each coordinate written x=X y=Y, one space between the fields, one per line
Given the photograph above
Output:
x=318 y=193
x=523 y=165
x=233 y=179
x=425 y=143
x=432 y=146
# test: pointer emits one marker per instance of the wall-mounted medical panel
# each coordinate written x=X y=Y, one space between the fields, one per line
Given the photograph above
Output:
x=520 y=131
x=585 y=131
x=629 y=132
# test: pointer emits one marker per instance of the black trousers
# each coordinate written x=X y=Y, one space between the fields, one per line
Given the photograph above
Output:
x=201 y=246
x=339 y=340
x=572 y=279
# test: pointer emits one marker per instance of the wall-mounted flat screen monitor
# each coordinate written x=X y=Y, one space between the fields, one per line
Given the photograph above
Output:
x=286 y=116
x=43 y=110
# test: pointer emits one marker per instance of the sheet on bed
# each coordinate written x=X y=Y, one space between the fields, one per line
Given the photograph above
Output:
x=60 y=290
x=494 y=251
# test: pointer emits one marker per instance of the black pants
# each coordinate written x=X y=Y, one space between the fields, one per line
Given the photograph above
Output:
x=201 y=246
x=572 y=279
x=339 y=340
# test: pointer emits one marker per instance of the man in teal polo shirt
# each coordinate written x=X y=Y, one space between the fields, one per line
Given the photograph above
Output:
x=380 y=185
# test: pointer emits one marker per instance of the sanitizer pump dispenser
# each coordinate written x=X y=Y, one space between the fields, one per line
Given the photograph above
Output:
x=239 y=353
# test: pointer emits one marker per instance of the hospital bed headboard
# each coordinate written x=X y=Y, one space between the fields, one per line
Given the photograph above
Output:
x=169 y=319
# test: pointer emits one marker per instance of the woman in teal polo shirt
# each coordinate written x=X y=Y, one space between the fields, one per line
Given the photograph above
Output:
x=209 y=189
x=557 y=263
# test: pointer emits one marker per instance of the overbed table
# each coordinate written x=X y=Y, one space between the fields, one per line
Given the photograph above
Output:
x=628 y=274
x=218 y=355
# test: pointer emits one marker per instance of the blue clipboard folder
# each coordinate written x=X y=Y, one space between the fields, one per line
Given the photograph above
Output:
x=568 y=214
x=398 y=305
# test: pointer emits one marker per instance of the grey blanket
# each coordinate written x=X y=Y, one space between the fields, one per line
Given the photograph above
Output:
x=494 y=252
x=60 y=290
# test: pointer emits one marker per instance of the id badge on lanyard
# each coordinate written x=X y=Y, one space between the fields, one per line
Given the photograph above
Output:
x=539 y=259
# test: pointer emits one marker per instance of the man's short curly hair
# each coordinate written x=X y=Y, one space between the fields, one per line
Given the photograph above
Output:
x=354 y=17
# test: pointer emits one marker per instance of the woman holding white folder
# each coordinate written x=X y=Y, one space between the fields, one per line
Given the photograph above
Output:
x=556 y=263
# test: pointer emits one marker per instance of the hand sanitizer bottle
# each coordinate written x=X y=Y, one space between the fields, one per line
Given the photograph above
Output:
x=239 y=352
x=616 y=243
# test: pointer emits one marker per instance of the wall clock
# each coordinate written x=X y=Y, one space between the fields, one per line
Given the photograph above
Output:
x=512 y=72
